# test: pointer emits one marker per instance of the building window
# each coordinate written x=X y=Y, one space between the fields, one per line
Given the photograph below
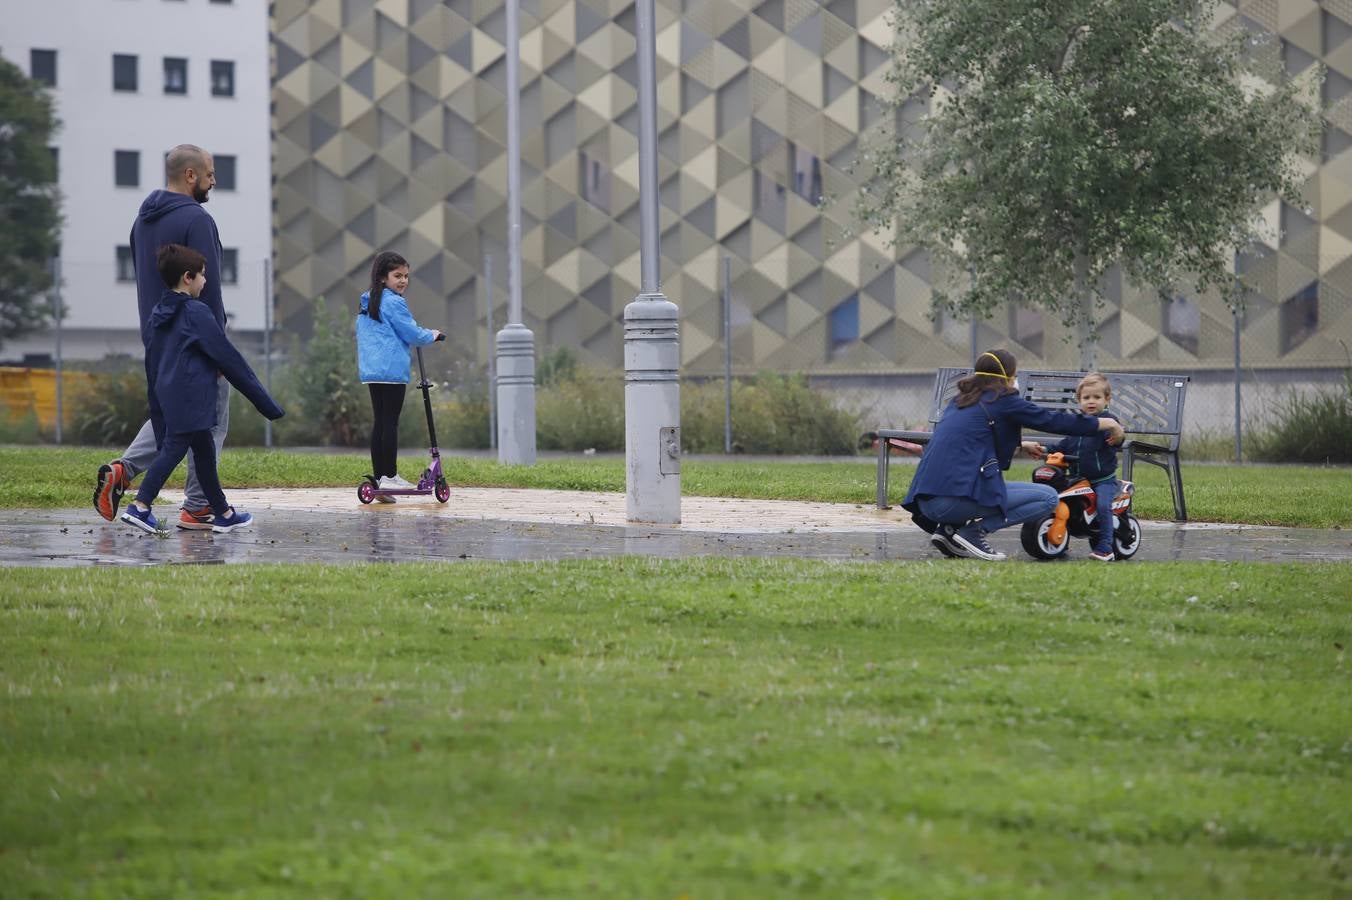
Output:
x=127 y=168
x=175 y=75
x=769 y=200
x=223 y=2
x=225 y=172
x=222 y=78
x=124 y=72
x=1300 y=317
x=126 y=268
x=230 y=266
x=807 y=174
x=42 y=66
x=844 y=324
x=593 y=178
x=1182 y=322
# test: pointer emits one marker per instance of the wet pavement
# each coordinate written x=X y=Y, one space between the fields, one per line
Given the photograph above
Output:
x=329 y=525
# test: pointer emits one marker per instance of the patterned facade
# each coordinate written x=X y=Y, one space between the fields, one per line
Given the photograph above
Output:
x=390 y=133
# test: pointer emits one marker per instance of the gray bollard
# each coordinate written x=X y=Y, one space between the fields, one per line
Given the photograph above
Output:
x=516 y=396
x=652 y=410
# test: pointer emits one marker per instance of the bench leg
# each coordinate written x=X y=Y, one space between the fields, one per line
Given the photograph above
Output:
x=1176 y=488
x=884 y=458
x=1128 y=457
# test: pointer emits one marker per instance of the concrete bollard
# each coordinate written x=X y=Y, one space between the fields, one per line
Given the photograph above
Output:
x=516 y=396
x=652 y=410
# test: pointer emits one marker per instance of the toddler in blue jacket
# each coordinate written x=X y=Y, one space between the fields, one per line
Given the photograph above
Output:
x=186 y=352
x=1097 y=458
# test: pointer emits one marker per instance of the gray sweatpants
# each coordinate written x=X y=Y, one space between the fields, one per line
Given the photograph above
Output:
x=141 y=452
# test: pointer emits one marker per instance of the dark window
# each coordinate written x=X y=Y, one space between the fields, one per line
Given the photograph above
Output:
x=1182 y=322
x=594 y=179
x=807 y=174
x=844 y=324
x=225 y=172
x=222 y=78
x=175 y=75
x=126 y=269
x=42 y=66
x=230 y=266
x=223 y=1
x=768 y=196
x=124 y=72
x=1300 y=317
x=127 y=168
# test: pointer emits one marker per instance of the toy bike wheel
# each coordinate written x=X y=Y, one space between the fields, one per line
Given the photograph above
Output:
x=1127 y=537
x=1038 y=544
x=443 y=491
x=366 y=493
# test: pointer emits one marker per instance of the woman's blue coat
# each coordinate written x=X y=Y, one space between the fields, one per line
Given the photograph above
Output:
x=972 y=445
x=187 y=350
x=382 y=347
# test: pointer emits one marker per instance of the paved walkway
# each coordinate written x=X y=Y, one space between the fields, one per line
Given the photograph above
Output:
x=329 y=525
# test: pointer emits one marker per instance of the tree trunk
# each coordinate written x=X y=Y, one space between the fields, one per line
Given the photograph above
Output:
x=1086 y=332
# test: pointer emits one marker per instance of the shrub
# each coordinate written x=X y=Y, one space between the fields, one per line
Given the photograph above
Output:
x=111 y=407
x=581 y=410
x=332 y=406
x=771 y=414
x=1310 y=428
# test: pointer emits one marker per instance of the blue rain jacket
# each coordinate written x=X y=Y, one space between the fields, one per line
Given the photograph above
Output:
x=973 y=445
x=382 y=347
x=1098 y=458
x=187 y=351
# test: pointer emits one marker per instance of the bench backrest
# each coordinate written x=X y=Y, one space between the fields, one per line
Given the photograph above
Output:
x=1145 y=404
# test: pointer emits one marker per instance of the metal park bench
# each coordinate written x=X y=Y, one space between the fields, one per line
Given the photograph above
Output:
x=1149 y=406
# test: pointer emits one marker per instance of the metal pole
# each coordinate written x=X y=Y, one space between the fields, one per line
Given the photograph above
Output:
x=267 y=342
x=1239 y=444
x=57 y=314
x=516 y=343
x=492 y=382
x=652 y=353
x=727 y=354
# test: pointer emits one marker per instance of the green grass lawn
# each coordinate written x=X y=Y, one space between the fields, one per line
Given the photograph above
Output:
x=1260 y=495
x=703 y=728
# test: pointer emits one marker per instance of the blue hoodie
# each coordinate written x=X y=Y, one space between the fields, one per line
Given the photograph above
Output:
x=382 y=347
x=167 y=217
x=187 y=349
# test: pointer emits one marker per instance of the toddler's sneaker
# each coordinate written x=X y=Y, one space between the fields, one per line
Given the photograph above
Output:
x=230 y=521
x=1103 y=557
x=970 y=540
x=143 y=519
x=112 y=483
x=195 y=519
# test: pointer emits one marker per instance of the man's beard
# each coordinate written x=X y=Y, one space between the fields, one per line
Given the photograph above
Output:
x=200 y=193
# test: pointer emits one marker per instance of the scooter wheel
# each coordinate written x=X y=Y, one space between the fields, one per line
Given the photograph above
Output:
x=1038 y=545
x=1127 y=537
x=443 y=491
x=366 y=493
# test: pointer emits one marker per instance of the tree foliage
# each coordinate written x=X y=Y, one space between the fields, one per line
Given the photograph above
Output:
x=30 y=218
x=1062 y=137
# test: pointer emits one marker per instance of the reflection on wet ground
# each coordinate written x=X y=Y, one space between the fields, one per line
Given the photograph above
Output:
x=78 y=538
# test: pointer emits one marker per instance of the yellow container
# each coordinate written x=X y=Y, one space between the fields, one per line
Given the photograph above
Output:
x=24 y=390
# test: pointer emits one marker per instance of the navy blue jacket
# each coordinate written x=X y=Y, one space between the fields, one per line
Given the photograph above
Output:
x=1098 y=458
x=186 y=351
x=167 y=217
x=966 y=455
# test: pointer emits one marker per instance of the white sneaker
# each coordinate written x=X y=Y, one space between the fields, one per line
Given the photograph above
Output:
x=387 y=483
x=400 y=482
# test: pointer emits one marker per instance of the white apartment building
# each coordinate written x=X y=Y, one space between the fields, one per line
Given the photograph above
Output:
x=131 y=79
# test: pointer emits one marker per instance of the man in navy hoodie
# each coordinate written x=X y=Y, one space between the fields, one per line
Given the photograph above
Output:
x=172 y=216
x=187 y=353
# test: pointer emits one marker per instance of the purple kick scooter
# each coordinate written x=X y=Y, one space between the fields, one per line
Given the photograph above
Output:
x=432 y=480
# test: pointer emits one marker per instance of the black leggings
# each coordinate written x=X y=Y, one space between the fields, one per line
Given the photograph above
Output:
x=387 y=402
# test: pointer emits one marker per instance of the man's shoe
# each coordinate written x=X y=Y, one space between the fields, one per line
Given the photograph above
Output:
x=942 y=539
x=112 y=483
x=972 y=539
x=1103 y=557
x=230 y=521
x=195 y=519
x=137 y=518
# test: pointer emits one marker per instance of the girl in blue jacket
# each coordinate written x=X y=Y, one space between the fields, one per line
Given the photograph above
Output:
x=385 y=332
x=958 y=492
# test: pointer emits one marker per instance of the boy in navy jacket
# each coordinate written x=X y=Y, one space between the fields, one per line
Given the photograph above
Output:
x=1097 y=459
x=186 y=351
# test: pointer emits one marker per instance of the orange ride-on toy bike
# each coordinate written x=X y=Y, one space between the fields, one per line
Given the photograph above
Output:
x=1076 y=516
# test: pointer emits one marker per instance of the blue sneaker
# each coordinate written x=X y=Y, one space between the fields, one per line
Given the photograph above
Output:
x=144 y=520
x=230 y=521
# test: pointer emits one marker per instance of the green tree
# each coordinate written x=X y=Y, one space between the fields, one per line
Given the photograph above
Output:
x=30 y=217
x=325 y=381
x=1062 y=137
